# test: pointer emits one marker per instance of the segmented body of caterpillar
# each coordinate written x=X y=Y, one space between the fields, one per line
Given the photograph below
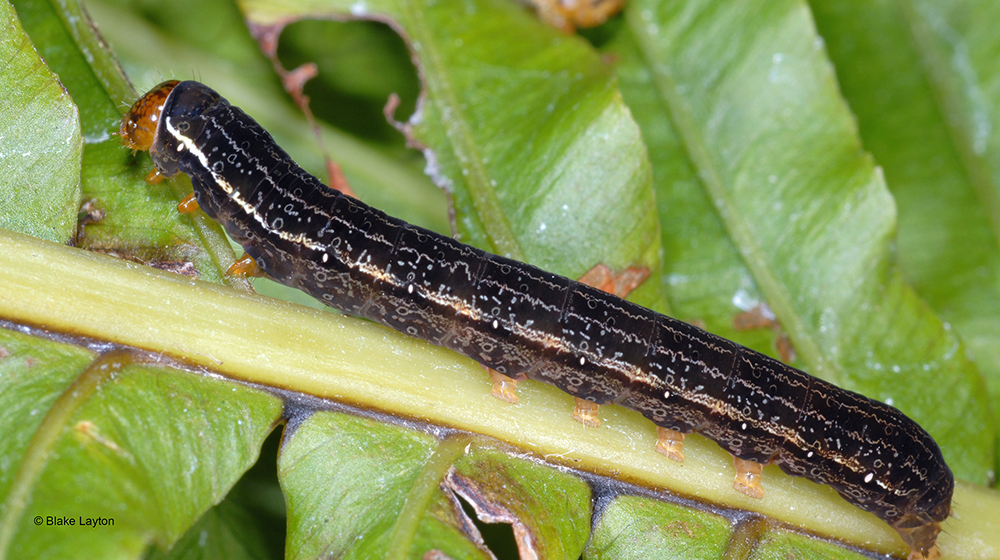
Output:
x=520 y=320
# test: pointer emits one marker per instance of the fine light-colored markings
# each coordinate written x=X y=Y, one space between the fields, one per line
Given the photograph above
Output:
x=520 y=320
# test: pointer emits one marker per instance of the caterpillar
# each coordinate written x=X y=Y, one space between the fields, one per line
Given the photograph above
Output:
x=523 y=321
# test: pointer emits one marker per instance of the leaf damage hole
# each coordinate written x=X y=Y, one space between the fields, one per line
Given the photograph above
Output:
x=487 y=521
x=318 y=60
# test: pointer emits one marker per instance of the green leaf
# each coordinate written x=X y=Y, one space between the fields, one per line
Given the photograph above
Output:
x=108 y=422
x=633 y=527
x=792 y=203
x=26 y=395
x=780 y=545
x=580 y=168
x=139 y=223
x=41 y=141
x=353 y=460
x=919 y=77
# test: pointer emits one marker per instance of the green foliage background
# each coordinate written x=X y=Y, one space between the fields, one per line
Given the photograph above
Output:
x=836 y=160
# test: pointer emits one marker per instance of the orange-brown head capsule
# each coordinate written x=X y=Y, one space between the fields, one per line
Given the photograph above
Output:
x=139 y=124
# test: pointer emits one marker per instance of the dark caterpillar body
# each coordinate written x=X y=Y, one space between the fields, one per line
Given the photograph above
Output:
x=518 y=319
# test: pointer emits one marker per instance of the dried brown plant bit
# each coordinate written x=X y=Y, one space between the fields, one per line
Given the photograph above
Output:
x=568 y=15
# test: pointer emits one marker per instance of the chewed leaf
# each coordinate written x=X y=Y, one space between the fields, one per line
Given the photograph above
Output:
x=502 y=489
x=571 y=191
x=532 y=139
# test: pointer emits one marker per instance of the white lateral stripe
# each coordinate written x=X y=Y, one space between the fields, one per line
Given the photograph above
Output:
x=250 y=209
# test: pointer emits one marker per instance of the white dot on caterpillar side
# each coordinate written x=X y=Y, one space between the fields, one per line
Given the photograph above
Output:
x=869 y=477
x=409 y=290
x=583 y=361
x=666 y=394
x=744 y=426
x=495 y=323
x=326 y=257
